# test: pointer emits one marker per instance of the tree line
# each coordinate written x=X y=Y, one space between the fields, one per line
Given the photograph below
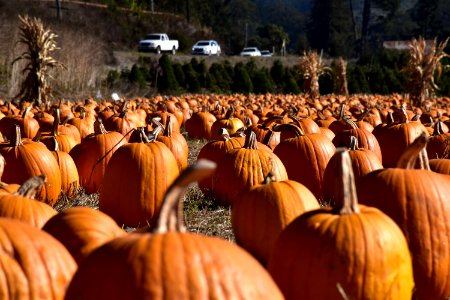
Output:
x=382 y=76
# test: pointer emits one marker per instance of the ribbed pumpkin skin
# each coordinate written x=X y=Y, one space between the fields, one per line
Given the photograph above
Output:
x=27 y=210
x=171 y=266
x=419 y=202
x=240 y=169
x=366 y=253
x=33 y=159
x=33 y=265
x=179 y=147
x=135 y=182
x=215 y=151
x=91 y=149
x=82 y=230
x=394 y=138
x=260 y=214
x=70 y=180
x=440 y=165
x=305 y=159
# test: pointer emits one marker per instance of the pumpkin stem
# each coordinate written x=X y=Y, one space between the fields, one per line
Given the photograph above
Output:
x=342 y=112
x=350 y=122
x=403 y=115
x=2 y=165
x=224 y=135
x=171 y=214
x=26 y=111
x=412 y=152
x=344 y=185
x=353 y=143
x=99 y=128
x=30 y=187
x=230 y=112
x=168 y=128
x=390 y=118
x=54 y=146
x=16 y=138
x=438 y=129
x=57 y=116
x=250 y=141
x=296 y=129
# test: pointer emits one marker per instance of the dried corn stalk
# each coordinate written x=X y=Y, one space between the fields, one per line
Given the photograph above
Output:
x=312 y=67
x=340 y=77
x=40 y=43
x=424 y=63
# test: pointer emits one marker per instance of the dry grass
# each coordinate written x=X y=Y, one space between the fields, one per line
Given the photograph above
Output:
x=202 y=214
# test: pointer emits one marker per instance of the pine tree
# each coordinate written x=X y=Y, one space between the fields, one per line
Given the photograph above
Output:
x=167 y=81
x=241 y=80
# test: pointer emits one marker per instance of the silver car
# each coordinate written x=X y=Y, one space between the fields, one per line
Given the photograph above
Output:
x=209 y=47
x=250 y=51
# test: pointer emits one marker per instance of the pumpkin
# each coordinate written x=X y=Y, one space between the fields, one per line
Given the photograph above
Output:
x=198 y=126
x=363 y=161
x=136 y=180
x=305 y=157
x=20 y=204
x=171 y=263
x=215 y=151
x=230 y=123
x=418 y=201
x=28 y=125
x=263 y=211
x=65 y=141
x=26 y=159
x=438 y=145
x=243 y=168
x=441 y=165
x=84 y=124
x=92 y=155
x=70 y=180
x=34 y=264
x=175 y=141
x=82 y=230
x=350 y=251
x=395 y=137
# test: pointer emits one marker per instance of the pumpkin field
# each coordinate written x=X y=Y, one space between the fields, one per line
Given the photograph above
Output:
x=226 y=196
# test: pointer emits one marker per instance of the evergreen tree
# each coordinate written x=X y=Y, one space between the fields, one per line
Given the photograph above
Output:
x=277 y=73
x=166 y=81
x=136 y=76
x=220 y=77
x=261 y=82
x=290 y=85
x=241 y=80
x=179 y=74
x=191 y=82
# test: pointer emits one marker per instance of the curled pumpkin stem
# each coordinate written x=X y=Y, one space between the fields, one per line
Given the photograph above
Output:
x=171 y=214
x=410 y=155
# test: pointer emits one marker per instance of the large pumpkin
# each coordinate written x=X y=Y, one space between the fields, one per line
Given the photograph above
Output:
x=171 y=263
x=243 y=168
x=136 y=180
x=305 y=157
x=262 y=212
x=25 y=159
x=350 y=251
x=34 y=265
x=418 y=200
x=22 y=206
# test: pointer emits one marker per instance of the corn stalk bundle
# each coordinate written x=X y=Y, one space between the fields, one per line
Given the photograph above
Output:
x=312 y=67
x=424 y=63
x=40 y=43
x=340 y=77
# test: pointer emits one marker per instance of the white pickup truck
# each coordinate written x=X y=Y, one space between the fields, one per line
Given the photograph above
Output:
x=158 y=42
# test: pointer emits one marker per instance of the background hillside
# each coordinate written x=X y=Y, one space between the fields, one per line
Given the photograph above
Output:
x=97 y=36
